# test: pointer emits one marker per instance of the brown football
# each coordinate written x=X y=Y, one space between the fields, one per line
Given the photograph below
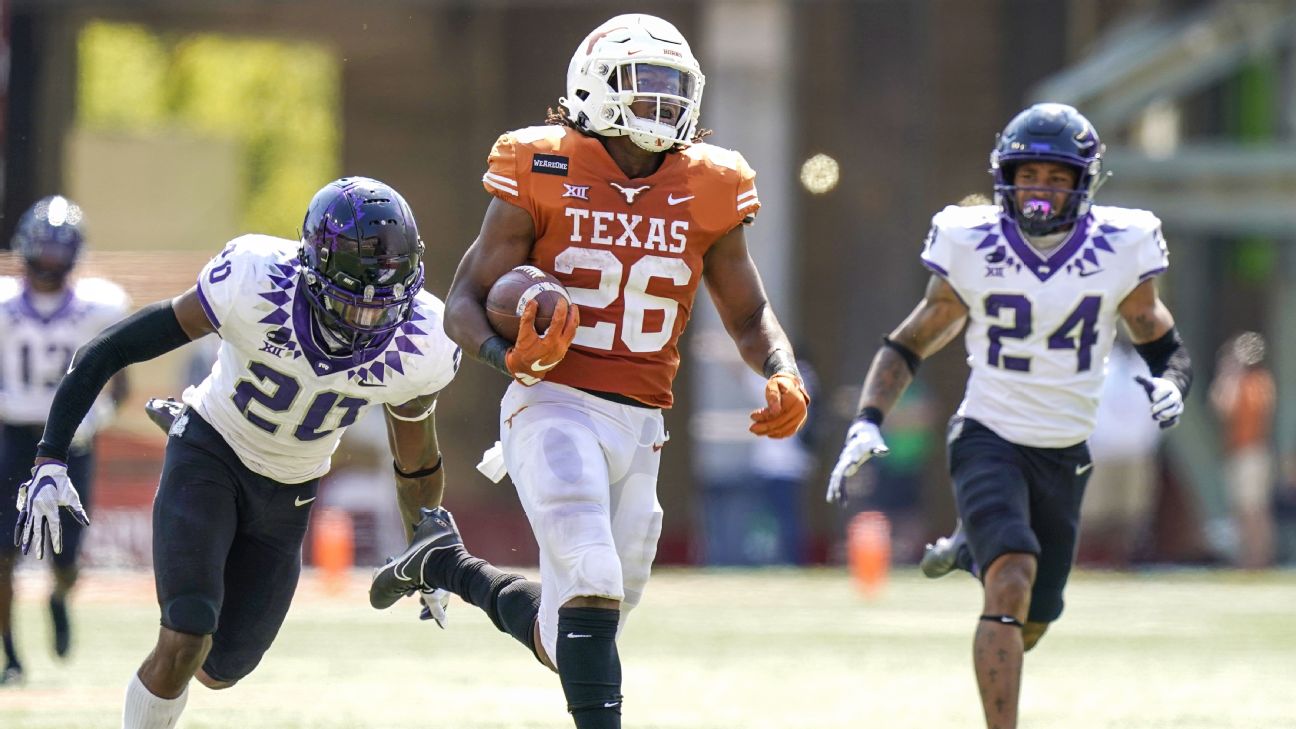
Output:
x=510 y=294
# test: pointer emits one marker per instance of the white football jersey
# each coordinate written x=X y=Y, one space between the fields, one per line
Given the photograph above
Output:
x=278 y=399
x=36 y=349
x=1040 y=326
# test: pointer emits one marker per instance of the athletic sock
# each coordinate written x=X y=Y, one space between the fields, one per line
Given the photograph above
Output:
x=589 y=666
x=144 y=710
x=511 y=601
x=62 y=626
x=11 y=655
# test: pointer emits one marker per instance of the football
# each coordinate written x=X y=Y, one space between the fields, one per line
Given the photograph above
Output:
x=511 y=292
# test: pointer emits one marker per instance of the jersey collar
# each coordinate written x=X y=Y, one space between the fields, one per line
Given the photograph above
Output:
x=321 y=362
x=1045 y=266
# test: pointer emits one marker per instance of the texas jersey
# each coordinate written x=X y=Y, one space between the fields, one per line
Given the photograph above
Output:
x=630 y=252
x=1040 y=326
x=274 y=394
x=37 y=347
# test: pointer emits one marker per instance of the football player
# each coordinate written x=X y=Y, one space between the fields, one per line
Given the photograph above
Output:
x=1041 y=278
x=313 y=332
x=46 y=317
x=617 y=198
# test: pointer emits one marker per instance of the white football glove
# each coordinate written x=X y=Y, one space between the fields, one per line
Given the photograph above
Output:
x=38 y=508
x=435 y=603
x=1167 y=402
x=863 y=441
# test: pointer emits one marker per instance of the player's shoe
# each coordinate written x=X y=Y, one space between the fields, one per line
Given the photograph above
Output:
x=163 y=412
x=11 y=676
x=405 y=573
x=62 y=626
x=947 y=554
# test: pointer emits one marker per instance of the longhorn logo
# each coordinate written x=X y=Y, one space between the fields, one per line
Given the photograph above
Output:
x=630 y=192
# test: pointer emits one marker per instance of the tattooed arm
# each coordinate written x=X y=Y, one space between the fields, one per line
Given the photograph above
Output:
x=937 y=319
x=1145 y=315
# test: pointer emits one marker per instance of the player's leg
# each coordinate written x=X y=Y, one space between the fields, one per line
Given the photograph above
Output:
x=261 y=575
x=81 y=471
x=636 y=512
x=17 y=451
x=993 y=497
x=195 y=517
x=1057 y=477
x=437 y=558
x=562 y=448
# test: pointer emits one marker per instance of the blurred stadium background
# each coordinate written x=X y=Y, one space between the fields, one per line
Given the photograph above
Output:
x=178 y=124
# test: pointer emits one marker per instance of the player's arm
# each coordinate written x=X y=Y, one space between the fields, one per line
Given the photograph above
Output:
x=933 y=323
x=504 y=243
x=937 y=319
x=150 y=332
x=1152 y=329
x=416 y=458
x=739 y=297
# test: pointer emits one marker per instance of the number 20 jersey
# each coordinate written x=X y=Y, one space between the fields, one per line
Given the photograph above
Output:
x=630 y=252
x=1040 y=326
x=275 y=397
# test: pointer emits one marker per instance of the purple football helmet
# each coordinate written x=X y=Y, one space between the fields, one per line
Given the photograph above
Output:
x=1047 y=133
x=361 y=258
x=49 y=239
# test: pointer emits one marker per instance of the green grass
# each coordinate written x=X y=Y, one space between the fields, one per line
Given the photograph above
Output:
x=714 y=649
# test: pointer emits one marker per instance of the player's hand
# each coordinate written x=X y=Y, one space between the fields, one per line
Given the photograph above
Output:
x=434 y=603
x=863 y=441
x=533 y=355
x=38 y=508
x=786 y=406
x=1167 y=402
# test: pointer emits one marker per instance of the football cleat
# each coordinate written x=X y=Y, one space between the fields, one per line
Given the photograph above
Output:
x=62 y=626
x=406 y=572
x=11 y=676
x=947 y=554
x=163 y=412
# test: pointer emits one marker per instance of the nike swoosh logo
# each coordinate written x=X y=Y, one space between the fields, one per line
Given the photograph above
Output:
x=672 y=200
x=1082 y=470
x=579 y=635
x=366 y=383
x=611 y=704
x=299 y=501
x=541 y=367
x=1086 y=274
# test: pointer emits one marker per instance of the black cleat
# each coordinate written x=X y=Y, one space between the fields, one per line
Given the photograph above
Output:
x=163 y=412
x=62 y=627
x=11 y=676
x=947 y=554
x=404 y=574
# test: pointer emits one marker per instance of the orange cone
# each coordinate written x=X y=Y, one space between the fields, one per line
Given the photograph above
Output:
x=333 y=546
x=868 y=548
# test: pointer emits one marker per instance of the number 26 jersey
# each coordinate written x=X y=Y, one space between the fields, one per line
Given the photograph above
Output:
x=630 y=252
x=1041 y=325
x=274 y=395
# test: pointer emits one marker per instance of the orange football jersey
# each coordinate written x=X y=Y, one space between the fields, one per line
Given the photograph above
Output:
x=629 y=251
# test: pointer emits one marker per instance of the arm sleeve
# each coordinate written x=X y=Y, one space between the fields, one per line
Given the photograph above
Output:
x=747 y=202
x=150 y=332
x=502 y=174
x=1153 y=255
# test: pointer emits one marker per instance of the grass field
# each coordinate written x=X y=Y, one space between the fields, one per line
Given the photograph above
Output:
x=710 y=649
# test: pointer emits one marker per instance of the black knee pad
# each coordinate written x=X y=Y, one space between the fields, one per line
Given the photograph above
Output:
x=190 y=614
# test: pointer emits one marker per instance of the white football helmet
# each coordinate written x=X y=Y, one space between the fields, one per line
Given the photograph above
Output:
x=635 y=58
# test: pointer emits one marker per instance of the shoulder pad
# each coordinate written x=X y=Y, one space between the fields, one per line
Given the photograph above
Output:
x=968 y=224
x=9 y=287
x=102 y=292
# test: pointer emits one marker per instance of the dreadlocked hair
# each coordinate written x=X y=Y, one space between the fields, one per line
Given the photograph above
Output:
x=558 y=118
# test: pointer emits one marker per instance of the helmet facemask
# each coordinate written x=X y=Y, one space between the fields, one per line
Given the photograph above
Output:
x=361 y=260
x=635 y=76
x=1054 y=133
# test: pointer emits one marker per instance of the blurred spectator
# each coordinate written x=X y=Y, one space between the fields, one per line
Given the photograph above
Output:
x=1117 y=507
x=1243 y=397
x=758 y=518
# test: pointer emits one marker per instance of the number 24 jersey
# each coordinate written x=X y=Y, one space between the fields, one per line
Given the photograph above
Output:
x=275 y=397
x=1041 y=325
